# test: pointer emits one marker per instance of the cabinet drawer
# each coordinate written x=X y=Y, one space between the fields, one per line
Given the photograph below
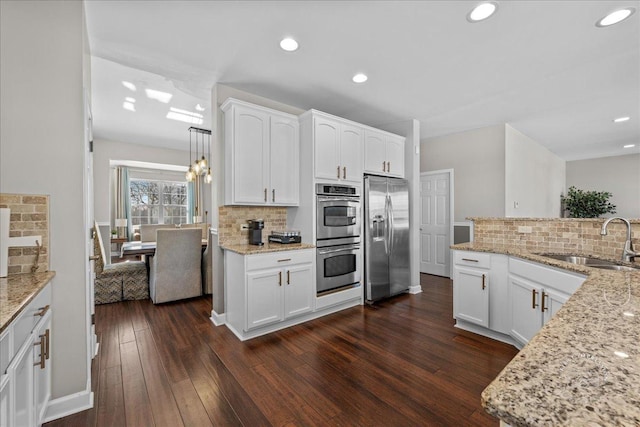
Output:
x=28 y=319
x=547 y=276
x=472 y=259
x=279 y=259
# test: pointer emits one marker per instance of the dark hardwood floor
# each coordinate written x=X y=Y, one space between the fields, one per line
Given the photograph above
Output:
x=400 y=363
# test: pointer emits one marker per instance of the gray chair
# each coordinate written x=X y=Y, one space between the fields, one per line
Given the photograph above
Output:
x=148 y=231
x=175 y=269
x=207 y=270
x=117 y=282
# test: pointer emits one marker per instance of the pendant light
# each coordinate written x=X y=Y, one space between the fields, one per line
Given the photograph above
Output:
x=200 y=165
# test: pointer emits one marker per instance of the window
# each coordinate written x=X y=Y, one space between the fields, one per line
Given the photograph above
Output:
x=158 y=202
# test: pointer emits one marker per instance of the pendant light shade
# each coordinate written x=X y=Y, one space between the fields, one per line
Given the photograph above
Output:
x=201 y=163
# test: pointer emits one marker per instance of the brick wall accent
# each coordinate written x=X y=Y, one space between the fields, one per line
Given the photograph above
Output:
x=563 y=235
x=231 y=217
x=29 y=217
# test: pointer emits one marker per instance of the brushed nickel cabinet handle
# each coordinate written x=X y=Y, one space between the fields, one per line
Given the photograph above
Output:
x=543 y=307
x=288 y=277
x=469 y=259
x=344 y=172
x=43 y=311
x=384 y=167
x=338 y=172
x=388 y=166
x=483 y=282
x=265 y=195
x=279 y=278
x=284 y=260
x=273 y=195
x=534 y=293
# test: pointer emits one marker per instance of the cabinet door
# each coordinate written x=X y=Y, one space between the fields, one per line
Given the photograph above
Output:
x=351 y=138
x=552 y=300
x=375 y=160
x=471 y=295
x=42 y=375
x=21 y=376
x=264 y=297
x=526 y=317
x=285 y=160
x=250 y=156
x=5 y=402
x=326 y=141
x=299 y=290
x=395 y=156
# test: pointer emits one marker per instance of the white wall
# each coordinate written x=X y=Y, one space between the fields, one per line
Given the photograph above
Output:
x=104 y=151
x=477 y=158
x=534 y=177
x=42 y=152
x=619 y=175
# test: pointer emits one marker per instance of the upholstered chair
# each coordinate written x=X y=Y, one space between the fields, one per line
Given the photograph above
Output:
x=117 y=282
x=148 y=231
x=176 y=266
x=207 y=269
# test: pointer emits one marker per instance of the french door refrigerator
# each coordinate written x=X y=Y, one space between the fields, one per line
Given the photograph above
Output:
x=386 y=225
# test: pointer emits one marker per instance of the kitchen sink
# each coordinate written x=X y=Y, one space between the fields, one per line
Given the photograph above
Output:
x=590 y=262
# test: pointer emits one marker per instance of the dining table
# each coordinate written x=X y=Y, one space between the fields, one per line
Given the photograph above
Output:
x=145 y=249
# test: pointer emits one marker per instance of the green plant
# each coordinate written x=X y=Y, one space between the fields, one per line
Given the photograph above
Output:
x=587 y=204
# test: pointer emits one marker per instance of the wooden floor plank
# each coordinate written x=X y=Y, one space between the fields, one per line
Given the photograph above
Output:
x=399 y=362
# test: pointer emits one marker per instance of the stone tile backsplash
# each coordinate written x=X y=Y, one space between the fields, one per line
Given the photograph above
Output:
x=562 y=235
x=29 y=217
x=231 y=217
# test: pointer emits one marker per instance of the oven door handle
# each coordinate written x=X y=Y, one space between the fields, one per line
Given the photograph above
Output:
x=333 y=251
x=338 y=199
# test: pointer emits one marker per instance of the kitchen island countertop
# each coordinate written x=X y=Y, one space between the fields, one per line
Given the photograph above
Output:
x=247 y=249
x=583 y=366
x=17 y=291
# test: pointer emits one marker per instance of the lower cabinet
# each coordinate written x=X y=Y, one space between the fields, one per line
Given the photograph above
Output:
x=25 y=386
x=268 y=289
x=537 y=293
x=471 y=295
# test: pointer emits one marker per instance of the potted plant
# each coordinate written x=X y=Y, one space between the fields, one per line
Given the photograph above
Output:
x=587 y=204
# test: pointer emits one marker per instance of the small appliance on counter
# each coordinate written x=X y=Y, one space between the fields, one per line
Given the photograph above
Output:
x=285 y=237
x=255 y=232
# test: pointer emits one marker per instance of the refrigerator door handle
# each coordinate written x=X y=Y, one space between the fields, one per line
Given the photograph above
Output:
x=391 y=225
x=386 y=224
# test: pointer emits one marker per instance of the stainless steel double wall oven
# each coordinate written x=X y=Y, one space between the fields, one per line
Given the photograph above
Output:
x=337 y=237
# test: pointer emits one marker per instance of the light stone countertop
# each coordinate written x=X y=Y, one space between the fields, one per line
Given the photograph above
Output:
x=583 y=366
x=247 y=249
x=17 y=291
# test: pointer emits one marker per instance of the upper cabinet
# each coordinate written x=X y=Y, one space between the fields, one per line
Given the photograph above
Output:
x=383 y=153
x=261 y=155
x=338 y=149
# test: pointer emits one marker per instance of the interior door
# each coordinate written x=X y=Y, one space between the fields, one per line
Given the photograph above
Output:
x=435 y=220
x=89 y=221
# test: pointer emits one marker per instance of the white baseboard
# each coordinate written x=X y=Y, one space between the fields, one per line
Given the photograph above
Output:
x=68 y=405
x=218 y=319
x=415 y=289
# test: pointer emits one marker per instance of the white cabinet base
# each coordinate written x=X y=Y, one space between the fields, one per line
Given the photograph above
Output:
x=486 y=332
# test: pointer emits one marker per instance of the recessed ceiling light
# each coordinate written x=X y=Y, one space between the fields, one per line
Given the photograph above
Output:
x=160 y=96
x=359 y=78
x=129 y=106
x=621 y=119
x=629 y=146
x=616 y=16
x=130 y=99
x=289 y=44
x=482 y=11
x=129 y=85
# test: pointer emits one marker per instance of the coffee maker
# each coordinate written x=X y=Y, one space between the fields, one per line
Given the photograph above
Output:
x=255 y=232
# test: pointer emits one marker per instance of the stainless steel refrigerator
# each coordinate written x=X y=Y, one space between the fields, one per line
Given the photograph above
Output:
x=386 y=225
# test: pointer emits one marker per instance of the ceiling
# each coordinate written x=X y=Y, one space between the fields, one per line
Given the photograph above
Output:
x=541 y=66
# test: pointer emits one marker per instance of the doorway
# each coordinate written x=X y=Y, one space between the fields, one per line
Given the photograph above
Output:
x=436 y=224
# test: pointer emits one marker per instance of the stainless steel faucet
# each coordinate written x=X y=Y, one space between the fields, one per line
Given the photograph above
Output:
x=628 y=253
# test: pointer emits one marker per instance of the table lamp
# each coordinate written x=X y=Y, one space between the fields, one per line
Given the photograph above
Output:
x=121 y=223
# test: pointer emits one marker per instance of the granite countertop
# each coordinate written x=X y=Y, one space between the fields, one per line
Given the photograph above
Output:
x=247 y=249
x=583 y=366
x=17 y=291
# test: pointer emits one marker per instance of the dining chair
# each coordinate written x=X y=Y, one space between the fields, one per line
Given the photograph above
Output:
x=175 y=269
x=148 y=231
x=120 y=281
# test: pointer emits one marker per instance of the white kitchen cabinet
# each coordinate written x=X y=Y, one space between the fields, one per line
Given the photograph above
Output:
x=537 y=293
x=383 y=153
x=261 y=154
x=268 y=289
x=338 y=148
x=25 y=384
x=471 y=287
